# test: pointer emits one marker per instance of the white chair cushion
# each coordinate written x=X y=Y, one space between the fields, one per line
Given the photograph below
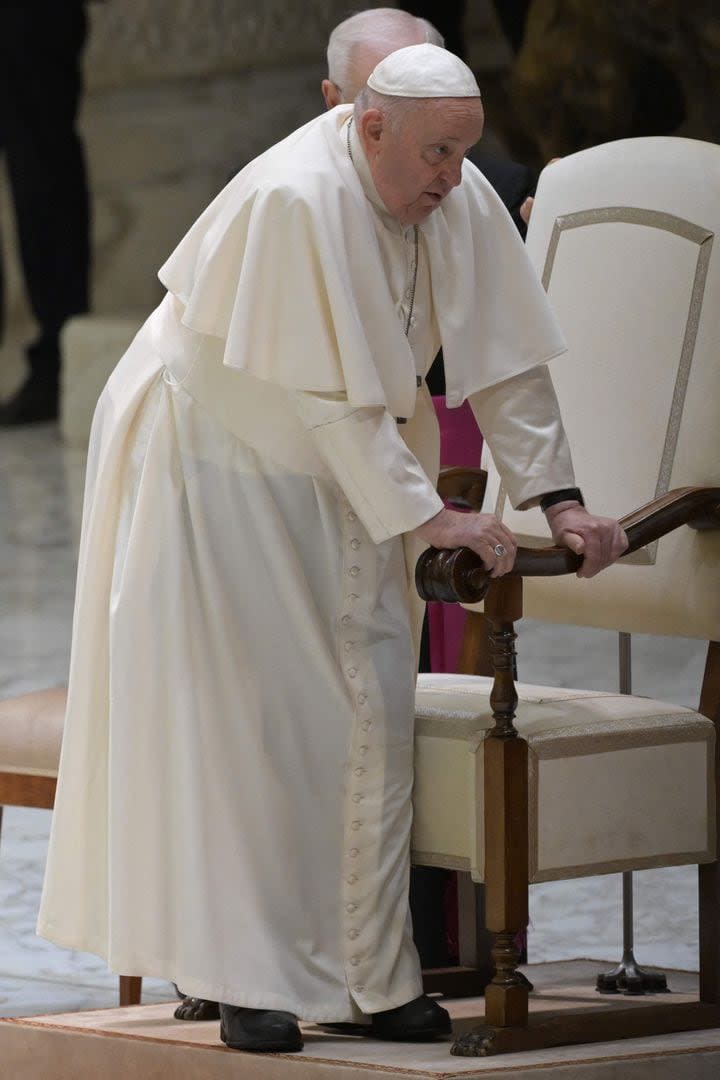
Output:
x=616 y=782
x=31 y=729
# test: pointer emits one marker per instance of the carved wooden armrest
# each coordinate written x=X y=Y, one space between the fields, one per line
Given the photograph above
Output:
x=463 y=487
x=458 y=575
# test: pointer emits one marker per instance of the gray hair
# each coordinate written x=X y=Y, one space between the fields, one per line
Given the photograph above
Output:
x=394 y=109
x=375 y=28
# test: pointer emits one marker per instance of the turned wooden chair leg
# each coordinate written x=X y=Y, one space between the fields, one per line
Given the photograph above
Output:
x=475 y=940
x=130 y=990
x=506 y=891
x=506 y=815
x=506 y=835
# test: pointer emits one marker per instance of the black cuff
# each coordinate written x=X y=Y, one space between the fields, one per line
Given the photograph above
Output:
x=564 y=495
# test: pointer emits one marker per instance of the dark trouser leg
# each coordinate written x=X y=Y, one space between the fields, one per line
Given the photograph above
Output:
x=428 y=889
x=40 y=86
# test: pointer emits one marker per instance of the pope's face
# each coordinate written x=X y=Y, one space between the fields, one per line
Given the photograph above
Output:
x=416 y=162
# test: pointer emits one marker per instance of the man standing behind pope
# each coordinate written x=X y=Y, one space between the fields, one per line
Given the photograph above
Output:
x=234 y=802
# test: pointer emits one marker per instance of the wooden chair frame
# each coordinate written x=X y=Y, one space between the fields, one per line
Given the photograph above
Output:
x=459 y=575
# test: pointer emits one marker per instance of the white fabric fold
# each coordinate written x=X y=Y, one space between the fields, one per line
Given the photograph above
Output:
x=520 y=421
x=375 y=470
x=285 y=268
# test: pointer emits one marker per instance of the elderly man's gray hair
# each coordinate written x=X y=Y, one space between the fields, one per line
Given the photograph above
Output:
x=372 y=29
x=395 y=110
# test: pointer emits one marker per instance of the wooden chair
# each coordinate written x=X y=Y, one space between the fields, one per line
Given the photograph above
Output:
x=520 y=783
x=31 y=728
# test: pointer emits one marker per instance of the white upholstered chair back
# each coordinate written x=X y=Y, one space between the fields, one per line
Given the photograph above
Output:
x=626 y=239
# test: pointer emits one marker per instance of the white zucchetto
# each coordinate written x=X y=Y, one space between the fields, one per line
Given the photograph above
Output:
x=423 y=71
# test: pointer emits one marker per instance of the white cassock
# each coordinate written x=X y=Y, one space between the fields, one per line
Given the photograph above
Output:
x=234 y=803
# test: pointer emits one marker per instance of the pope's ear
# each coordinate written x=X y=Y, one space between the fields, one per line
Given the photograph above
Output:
x=372 y=125
x=331 y=93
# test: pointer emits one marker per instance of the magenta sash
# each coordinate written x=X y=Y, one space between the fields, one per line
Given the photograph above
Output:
x=460 y=444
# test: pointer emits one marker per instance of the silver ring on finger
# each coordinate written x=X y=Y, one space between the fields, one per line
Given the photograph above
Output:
x=500 y=550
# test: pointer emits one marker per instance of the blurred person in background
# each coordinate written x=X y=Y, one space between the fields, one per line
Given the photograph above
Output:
x=41 y=47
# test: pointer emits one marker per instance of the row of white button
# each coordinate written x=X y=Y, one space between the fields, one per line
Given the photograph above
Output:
x=352 y=672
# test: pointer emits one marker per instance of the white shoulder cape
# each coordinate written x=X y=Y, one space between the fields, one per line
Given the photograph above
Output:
x=284 y=267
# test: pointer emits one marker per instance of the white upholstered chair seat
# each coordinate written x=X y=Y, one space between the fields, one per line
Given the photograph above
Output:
x=615 y=781
x=31 y=729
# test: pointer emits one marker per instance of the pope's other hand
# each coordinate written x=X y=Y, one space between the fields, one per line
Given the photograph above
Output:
x=599 y=540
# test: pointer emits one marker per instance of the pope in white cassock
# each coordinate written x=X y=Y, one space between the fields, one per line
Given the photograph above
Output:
x=234 y=804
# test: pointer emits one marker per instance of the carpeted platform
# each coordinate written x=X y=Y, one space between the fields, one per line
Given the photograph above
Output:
x=146 y=1043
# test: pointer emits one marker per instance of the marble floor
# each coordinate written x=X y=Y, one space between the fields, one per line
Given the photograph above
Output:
x=40 y=499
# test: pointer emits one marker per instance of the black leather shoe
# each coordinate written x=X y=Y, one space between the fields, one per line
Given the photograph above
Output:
x=259 y=1030
x=417 y=1021
x=36 y=402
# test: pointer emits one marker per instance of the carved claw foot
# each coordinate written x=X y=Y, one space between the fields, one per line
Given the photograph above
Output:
x=192 y=1008
x=476 y=1043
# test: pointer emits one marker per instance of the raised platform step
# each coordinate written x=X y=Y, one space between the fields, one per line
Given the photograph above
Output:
x=147 y=1042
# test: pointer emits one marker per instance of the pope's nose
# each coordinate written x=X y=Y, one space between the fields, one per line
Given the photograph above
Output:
x=452 y=175
x=457 y=173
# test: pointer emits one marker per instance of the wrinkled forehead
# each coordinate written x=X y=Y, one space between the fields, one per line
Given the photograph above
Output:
x=434 y=119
